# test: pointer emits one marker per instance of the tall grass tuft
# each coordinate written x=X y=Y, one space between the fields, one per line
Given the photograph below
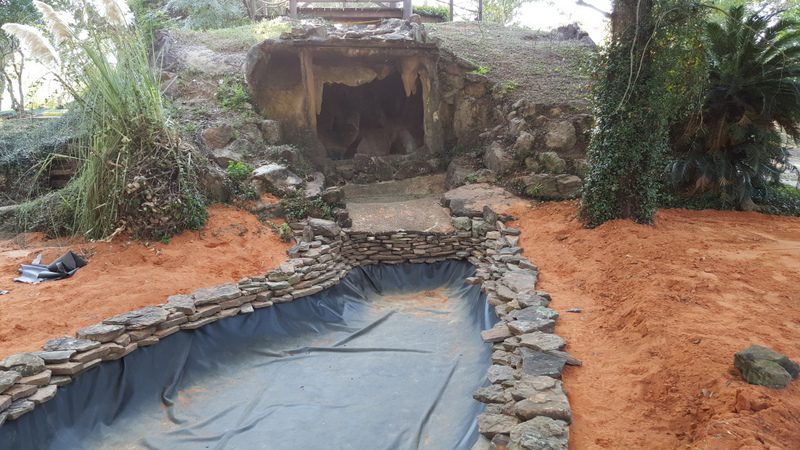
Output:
x=133 y=172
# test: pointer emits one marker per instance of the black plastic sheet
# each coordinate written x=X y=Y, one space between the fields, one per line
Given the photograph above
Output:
x=65 y=266
x=358 y=366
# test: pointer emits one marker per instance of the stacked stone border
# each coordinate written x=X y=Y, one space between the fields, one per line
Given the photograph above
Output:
x=525 y=400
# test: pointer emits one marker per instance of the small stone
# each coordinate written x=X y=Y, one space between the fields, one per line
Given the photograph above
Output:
x=499 y=374
x=101 y=332
x=7 y=379
x=499 y=442
x=492 y=424
x=67 y=368
x=540 y=433
x=43 y=395
x=5 y=402
x=541 y=396
x=506 y=358
x=575 y=310
x=55 y=357
x=19 y=408
x=491 y=394
x=498 y=333
x=542 y=341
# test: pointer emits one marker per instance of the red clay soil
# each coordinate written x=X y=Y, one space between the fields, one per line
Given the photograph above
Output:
x=665 y=307
x=124 y=275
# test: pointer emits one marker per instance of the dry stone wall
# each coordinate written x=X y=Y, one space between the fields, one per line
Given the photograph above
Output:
x=526 y=404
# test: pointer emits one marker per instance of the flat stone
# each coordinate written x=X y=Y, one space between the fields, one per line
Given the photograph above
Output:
x=67 y=368
x=138 y=335
x=492 y=424
x=322 y=227
x=101 y=332
x=491 y=394
x=70 y=343
x=7 y=379
x=3 y=417
x=534 y=313
x=182 y=303
x=216 y=294
x=26 y=364
x=532 y=300
x=520 y=327
x=141 y=318
x=40 y=379
x=540 y=433
x=5 y=402
x=502 y=357
x=43 y=395
x=542 y=341
x=498 y=374
x=55 y=357
x=521 y=282
x=540 y=396
x=19 y=391
x=61 y=380
x=19 y=408
x=537 y=363
x=246 y=308
x=498 y=333
x=505 y=293
x=90 y=355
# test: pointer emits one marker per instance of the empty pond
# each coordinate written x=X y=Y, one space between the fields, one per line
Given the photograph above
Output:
x=387 y=359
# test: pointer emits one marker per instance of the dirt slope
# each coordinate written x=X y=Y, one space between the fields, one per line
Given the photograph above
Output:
x=125 y=275
x=665 y=307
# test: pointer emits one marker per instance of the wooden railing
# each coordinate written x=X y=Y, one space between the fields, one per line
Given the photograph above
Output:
x=392 y=4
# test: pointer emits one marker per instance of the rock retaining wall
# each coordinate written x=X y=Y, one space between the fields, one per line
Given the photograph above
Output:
x=526 y=403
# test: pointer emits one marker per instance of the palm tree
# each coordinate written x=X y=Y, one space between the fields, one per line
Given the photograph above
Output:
x=733 y=144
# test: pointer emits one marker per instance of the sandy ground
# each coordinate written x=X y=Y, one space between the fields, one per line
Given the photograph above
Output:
x=124 y=275
x=665 y=307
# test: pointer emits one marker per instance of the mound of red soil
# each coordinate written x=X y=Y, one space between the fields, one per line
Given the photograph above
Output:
x=124 y=275
x=665 y=308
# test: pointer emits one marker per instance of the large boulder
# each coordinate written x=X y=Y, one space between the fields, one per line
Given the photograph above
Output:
x=550 y=162
x=560 y=135
x=322 y=227
x=275 y=178
x=25 y=364
x=766 y=367
x=568 y=185
x=271 y=132
x=524 y=143
x=315 y=184
x=497 y=159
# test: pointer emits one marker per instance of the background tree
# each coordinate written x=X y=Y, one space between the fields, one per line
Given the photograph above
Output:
x=646 y=79
x=12 y=60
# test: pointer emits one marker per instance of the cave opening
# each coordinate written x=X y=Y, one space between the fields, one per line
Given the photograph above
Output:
x=373 y=119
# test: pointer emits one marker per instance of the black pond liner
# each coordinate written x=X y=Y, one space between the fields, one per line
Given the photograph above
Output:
x=347 y=368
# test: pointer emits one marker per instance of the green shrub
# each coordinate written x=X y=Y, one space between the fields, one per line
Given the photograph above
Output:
x=238 y=171
x=233 y=94
x=442 y=12
x=298 y=207
x=732 y=147
x=209 y=14
x=285 y=233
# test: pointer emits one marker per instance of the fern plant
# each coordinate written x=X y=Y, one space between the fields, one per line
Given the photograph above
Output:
x=732 y=145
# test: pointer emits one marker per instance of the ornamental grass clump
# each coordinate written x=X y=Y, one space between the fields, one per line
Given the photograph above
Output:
x=133 y=174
